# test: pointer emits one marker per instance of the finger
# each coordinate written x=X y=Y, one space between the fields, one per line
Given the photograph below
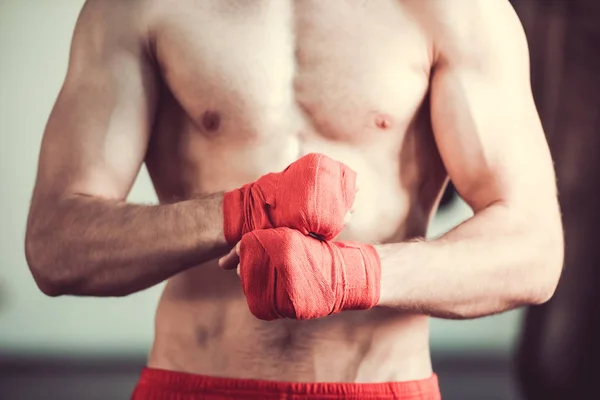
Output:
x=230 y=260
x=223 y=260
x=238 y=270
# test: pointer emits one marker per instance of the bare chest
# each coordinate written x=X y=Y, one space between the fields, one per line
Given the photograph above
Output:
x=347 y=69
x=257 y=83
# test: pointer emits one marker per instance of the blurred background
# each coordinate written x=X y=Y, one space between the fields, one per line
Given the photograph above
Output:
x=81 y=348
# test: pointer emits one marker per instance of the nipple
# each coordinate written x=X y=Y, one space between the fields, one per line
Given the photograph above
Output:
x=211 y=120
x=383 y=121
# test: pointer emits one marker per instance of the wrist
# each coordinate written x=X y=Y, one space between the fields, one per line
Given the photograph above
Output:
x=233 y=215
x=362 y=276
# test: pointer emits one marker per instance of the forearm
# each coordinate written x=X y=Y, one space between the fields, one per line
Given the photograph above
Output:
x=89 y=246
x=487 y=265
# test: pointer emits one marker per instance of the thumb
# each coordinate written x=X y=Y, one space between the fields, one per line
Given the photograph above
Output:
x=231 y=260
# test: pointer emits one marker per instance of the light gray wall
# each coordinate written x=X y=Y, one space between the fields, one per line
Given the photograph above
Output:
x=34 y=45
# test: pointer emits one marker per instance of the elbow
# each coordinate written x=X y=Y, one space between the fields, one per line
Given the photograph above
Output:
x=56 y=276
x=549 y=265
x=46 y=282
x=50 y=288
x=541 y=294
x=49 y=278
x=546 y=285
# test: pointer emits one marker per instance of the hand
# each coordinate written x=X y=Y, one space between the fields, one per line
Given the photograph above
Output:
x=286 y=274
x=312 y=195
x=232 y=259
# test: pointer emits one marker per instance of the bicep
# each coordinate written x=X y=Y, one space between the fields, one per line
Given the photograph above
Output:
x=486 y=124
x=97 y=133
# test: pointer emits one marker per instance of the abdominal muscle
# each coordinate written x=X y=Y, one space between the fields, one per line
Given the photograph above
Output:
x=203 y=326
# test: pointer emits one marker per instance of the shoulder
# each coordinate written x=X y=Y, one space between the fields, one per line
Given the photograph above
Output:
x=118 y=16
x=113 y=27
x=470 y=30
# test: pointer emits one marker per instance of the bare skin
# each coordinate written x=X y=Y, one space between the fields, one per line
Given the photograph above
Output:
x=213 y=94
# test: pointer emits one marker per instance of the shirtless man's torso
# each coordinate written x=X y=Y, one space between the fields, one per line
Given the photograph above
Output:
x=213 y=94
x=254 y=86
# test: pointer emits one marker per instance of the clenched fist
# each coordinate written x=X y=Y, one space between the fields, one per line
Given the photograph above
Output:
x=312 y=195
x=286 y=274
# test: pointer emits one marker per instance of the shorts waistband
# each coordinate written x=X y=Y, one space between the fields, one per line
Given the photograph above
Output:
x=157 y=384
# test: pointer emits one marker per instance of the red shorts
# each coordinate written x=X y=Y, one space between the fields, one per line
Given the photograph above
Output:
x=156 y=384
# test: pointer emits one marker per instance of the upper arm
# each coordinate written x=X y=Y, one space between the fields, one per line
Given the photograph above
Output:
x=97 y=134
x=485 y=121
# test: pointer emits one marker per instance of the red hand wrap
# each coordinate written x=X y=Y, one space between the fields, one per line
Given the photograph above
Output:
x=312 y=195
x=285 y=274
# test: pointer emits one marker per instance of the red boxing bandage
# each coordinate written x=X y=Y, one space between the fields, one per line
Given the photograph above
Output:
x=311 y=195
x=285 y=274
